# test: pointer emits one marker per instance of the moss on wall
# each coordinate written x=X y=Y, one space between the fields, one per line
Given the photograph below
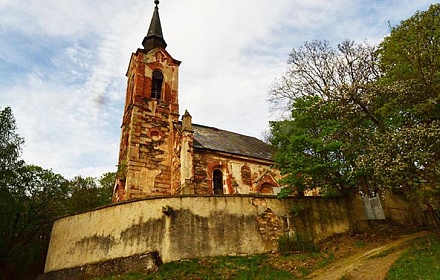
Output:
x=188 y=227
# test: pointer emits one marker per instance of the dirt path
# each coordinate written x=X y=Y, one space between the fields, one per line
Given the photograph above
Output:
x=369 y=264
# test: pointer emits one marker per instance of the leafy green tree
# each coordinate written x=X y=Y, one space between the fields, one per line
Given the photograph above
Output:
x=34 y=198
x=381 y=103
x=106 y=184
x=30 y=198
x=330 y=94
x=10 y=146
x=408 y=156
x=312 y=156
x=88 y=193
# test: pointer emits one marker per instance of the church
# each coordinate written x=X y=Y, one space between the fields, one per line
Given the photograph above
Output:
x=161 y=154
x=191 y=191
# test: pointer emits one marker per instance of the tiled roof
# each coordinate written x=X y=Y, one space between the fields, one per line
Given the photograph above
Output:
x=229 y=142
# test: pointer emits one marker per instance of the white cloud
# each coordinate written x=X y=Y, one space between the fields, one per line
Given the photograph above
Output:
x=64 y=63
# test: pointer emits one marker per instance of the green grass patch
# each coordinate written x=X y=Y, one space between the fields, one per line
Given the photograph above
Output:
x=293 y=266
x=128 y=276
x=228 y=267
x=327 y=260
x=420 y=261
x=360 y=244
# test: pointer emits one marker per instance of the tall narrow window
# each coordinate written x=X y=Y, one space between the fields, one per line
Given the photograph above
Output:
x=156 y=85
x=217 y=181
x=246 y=177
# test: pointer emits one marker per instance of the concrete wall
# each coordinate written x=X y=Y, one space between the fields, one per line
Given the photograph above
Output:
x=400 y=210
x=196 y=226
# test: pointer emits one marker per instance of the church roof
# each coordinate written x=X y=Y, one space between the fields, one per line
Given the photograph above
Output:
x=215 y=139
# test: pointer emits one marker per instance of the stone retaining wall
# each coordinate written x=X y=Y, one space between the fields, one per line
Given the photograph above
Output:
x=186 y=227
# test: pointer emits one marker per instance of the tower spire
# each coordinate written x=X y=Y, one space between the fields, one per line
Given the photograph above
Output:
x=154 y=36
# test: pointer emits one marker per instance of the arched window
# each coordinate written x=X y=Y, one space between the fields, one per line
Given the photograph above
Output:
x=246 y=177
x=217 y=181
x=156 y=84
x=266 y=188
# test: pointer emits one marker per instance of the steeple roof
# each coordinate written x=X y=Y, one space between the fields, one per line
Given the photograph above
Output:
x=154 y=36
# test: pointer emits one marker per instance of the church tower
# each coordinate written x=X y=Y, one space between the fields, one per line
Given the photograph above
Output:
x=149 y=122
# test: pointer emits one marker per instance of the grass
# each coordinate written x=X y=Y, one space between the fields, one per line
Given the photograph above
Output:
x=237 y=267
x=421 y=261
x=288 y=244
x=360 y=244
x=294 y=266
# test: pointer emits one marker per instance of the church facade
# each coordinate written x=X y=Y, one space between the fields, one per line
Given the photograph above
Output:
x=161 y=154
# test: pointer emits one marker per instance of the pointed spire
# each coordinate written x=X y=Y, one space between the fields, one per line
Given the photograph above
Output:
x=154 y=36
x=186 y=121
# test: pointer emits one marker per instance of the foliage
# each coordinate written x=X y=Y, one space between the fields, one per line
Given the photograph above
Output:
x=360 y=243
x=89 y=193
x=29 y=204
x=10 y=146
x=269 y=266
x=121 y=173
x=329 y=93
x=31 y=198
x=252 y=267
x=421 y=261
x=408 y=155
x=363 y=116
x=312 y=154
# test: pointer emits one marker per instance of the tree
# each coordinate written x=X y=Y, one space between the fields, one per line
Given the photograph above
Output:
x=89 y=193
x=10 y=146
x=36 y=196
x=382 y=105
x=106 y=184
x=344 y=75
x=329 y=93
x=30 y=198
x=312 y=157
x=409 y=155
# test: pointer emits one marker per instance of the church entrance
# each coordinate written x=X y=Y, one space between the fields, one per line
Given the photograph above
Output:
x=217 y=181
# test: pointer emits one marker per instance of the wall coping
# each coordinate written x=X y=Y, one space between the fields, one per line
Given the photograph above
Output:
x=197 y=196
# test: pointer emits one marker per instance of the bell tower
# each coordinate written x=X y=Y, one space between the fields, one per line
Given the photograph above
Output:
x=150 y=114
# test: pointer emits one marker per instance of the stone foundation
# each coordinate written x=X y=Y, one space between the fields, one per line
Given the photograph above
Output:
x=148 y=262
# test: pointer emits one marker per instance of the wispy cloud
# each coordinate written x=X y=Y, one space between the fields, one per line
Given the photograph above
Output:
x=63 y=63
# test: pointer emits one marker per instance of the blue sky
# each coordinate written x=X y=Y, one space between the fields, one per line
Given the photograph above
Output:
x=63 y=63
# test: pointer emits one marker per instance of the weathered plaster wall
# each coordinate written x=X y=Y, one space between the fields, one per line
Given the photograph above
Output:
x=147 y=128
x=197 y=226
x=182 y=161
x=240 y=175
x=400 y=210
